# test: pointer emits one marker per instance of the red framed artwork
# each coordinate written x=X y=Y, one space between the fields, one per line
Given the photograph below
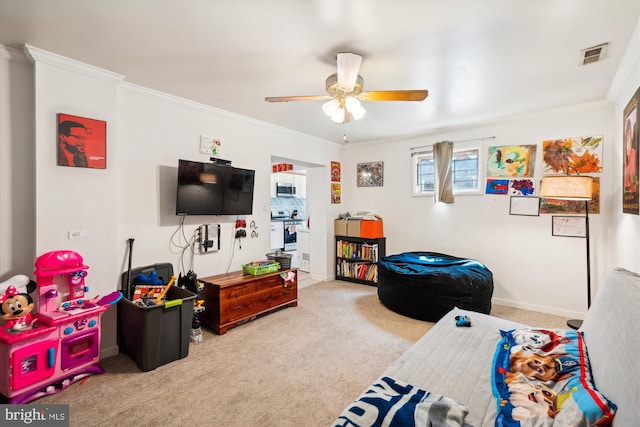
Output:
x=82 y=142
x=335 y=171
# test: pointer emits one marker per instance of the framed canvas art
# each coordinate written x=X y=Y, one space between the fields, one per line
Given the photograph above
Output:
x=335 y=171
x=631 y=156
x=82 y=142
x=370 y=174
x=335 y=194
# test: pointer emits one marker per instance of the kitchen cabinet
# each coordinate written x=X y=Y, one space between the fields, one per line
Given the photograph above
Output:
x=297 y=179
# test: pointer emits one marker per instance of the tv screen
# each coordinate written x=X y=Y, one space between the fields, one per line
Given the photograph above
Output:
x=212 y=189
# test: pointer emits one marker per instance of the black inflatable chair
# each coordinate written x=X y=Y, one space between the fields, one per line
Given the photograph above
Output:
x=427 y=285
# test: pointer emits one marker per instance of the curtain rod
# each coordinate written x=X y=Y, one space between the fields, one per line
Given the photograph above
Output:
x=462 y=140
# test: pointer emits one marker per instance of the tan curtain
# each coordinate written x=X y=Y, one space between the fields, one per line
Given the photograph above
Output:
x=442 y=155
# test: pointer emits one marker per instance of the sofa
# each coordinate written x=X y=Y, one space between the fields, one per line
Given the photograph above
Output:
x=453 y=375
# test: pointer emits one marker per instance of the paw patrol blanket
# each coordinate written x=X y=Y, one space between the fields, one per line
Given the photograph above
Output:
x=542 y=378
x=391 y=403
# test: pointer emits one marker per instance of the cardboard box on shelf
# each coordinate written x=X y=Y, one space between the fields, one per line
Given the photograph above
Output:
x=340 y=227
x=371 y=229
x=353 y=227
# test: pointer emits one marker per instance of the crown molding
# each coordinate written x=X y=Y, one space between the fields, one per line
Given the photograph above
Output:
x=12 y=54
x=38 y=55
x=204 y=108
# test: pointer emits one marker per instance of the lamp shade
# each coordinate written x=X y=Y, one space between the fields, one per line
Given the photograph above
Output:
x=331 y=107
x=567 y=187
x=354 y=107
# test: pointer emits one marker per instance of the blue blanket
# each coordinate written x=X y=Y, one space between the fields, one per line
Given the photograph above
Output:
x=391 y=403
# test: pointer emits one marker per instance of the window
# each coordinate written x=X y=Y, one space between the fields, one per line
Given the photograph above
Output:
x=465 y=166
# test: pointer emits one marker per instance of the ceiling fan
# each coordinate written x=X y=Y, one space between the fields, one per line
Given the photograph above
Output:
x=345 y=91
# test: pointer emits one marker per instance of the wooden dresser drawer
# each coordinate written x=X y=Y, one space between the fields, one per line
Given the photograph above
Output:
x=233 y=298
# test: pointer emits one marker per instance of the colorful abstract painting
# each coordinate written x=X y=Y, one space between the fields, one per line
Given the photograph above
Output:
x=511 y=161
x=521 y=187
x=573 y=206
x=631 y=156
x=497 y=186
x=571 y=155
x=370 y=174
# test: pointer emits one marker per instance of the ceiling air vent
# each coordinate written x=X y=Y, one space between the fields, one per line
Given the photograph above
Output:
x=593 y=54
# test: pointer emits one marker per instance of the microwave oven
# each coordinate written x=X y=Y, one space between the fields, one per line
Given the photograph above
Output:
x=285 y=190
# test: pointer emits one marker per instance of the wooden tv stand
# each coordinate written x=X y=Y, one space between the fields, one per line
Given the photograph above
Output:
x=233 y=298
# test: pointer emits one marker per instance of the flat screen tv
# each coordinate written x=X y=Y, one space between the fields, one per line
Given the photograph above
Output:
x=213 y=189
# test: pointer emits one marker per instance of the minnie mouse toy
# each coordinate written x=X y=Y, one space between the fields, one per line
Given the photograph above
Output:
x=16 y=309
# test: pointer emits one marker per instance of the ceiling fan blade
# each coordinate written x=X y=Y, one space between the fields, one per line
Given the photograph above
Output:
x=297 y=98
x=394 y=95
x=348 y=68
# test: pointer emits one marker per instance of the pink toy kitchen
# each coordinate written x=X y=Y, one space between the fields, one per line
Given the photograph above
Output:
x=51 y=340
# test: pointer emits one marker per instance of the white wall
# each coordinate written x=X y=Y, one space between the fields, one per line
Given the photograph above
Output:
x=68 y=198
x=155 y=130
x=532 y=269
x=134 y=197
x=625 y=230
x=17 y=165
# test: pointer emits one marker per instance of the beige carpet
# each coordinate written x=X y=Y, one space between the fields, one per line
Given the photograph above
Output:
x=297 y=367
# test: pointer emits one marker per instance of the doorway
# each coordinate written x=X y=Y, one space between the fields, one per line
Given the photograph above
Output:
x=289 y=231
x=308 y=180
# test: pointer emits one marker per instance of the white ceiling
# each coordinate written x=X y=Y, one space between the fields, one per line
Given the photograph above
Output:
x=480 y=60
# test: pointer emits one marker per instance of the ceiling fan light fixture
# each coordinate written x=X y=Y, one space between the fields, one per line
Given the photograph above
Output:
x=330 y=107
x=354 y=107
x=348 y=67
x=338 y=116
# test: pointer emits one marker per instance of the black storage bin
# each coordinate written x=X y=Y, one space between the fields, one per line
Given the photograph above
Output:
x=156 y=335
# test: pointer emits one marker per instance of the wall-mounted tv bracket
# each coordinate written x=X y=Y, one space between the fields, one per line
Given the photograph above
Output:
x=209 y=238
x=217 y=161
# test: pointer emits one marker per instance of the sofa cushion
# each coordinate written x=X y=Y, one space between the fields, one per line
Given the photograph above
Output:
x=611 y=333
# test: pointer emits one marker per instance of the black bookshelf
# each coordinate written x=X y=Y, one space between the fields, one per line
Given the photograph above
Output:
x=357 y=259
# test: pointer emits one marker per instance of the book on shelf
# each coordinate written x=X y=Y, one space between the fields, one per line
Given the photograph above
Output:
x=365 y=251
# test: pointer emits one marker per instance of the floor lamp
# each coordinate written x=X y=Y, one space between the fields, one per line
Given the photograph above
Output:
x=570 y=187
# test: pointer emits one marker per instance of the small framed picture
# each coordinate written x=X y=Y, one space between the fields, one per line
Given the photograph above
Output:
x=335 y=171
x=569 y=226
x=370 y=174
x=524 y=205
x=82 y=142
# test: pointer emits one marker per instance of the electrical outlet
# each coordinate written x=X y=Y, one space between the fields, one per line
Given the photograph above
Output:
x=77 y=234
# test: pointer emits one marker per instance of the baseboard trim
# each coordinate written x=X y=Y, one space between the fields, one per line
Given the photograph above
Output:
x=539 y=308
x=109 y=351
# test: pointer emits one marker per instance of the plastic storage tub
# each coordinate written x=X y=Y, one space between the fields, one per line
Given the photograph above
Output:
x=155 y=335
